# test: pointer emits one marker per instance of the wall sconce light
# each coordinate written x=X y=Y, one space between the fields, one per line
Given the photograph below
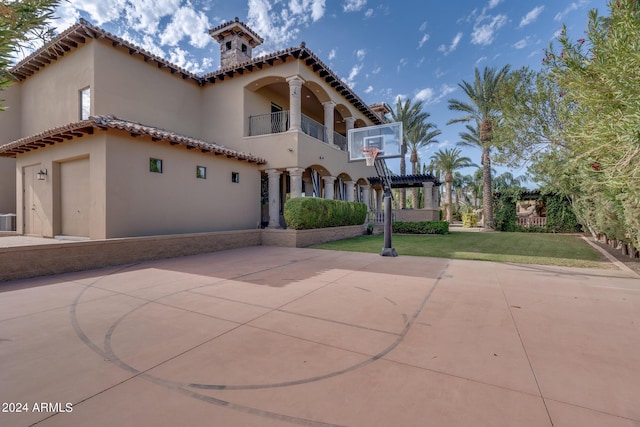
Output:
x=41 y=175
x=321 y=157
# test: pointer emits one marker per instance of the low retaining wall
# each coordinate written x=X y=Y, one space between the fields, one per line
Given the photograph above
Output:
x=302 y=238
x=22 y=262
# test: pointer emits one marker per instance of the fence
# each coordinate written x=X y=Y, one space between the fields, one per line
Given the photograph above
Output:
x=532 y=221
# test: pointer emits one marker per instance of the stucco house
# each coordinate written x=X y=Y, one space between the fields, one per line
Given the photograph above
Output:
x=103 y=139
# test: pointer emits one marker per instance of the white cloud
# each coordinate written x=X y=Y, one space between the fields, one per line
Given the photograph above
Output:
x=187 y=61
x=145 y=15
x=353 y=5
x=423 y=40
x=368 y=13
x=531 y=16
x=99 y=11
x=403 y=62
x=360 y=54
x=355 y=70
x=399 y=97
x=454 y=44
x=431 y=96
x=423 y=26
x=493 y=3
x=280 y=22
x=521 y=44
x=315 y=7
x=368 y=90
x=332 y=54
x=556 y=34
x=376 y=70
x=67 y=15
x=187 y=23
x=572 y=7
x=481 y=59
x=424 y=95
x=485 y=28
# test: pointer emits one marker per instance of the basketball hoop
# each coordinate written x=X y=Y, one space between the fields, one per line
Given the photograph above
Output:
x=370 y=154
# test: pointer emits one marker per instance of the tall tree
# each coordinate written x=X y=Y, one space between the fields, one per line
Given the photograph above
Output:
x=483 y=108
x=506 y=180
x=448 y=161
x=410 y=115
x=22 y=22
x=419 y=136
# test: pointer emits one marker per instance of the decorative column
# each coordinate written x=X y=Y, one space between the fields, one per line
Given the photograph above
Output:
x=307 y=185
x=328 y=186
x=435 y=194
x=366 y=196
x=295 y=102
x=274 y=197
x=379 y=193
x=295 y=175
x=350 y=122
x=428 y=195
x=349 y=189
x=329 y=108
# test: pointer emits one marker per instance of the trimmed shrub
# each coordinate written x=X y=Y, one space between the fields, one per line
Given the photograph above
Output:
x=421 y=227
x=304 y=213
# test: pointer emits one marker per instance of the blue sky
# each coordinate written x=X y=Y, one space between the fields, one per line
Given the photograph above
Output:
x=384 y=49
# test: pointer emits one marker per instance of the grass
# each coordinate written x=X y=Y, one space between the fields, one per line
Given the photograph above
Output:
x=524 y=248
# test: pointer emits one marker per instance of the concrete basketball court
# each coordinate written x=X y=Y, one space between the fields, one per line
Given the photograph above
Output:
x=267 y=336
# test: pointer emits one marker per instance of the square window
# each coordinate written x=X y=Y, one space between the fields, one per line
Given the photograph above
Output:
x=228 y=45
x=85 y=103
x=201 y=172
x=235 y=177
x=155 y=165
x=244 y=48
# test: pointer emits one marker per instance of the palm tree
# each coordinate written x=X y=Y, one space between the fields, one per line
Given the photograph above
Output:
x=447 y=162
x=507 y=181
x=458 y=188
x=410 y=116
x=483 y=109
x=419 y=136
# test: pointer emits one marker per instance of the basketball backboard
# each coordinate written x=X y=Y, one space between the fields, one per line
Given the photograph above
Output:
x=387 y=138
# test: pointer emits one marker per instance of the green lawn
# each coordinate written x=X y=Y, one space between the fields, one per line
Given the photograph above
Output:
x=525 y=248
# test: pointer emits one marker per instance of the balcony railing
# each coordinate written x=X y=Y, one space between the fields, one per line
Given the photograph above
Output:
x=340 y=141
x=265 y=124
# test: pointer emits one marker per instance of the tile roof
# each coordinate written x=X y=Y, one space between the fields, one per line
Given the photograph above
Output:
x=237 y=26
x=83 y=31
x=88 y=127
x=78 y=34
x=301 y=53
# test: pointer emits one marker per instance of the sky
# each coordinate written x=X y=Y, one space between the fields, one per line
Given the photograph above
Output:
x=384 y=50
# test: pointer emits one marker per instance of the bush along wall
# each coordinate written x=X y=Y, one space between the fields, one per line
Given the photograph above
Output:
x=305 y=213
x=421 y=227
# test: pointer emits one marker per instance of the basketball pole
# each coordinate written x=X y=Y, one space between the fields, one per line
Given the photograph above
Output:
x=388 y=250
x=381 y=170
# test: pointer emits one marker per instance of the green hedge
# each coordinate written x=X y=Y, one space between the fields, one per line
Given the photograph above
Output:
x=421 y=227
x=304 y=213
